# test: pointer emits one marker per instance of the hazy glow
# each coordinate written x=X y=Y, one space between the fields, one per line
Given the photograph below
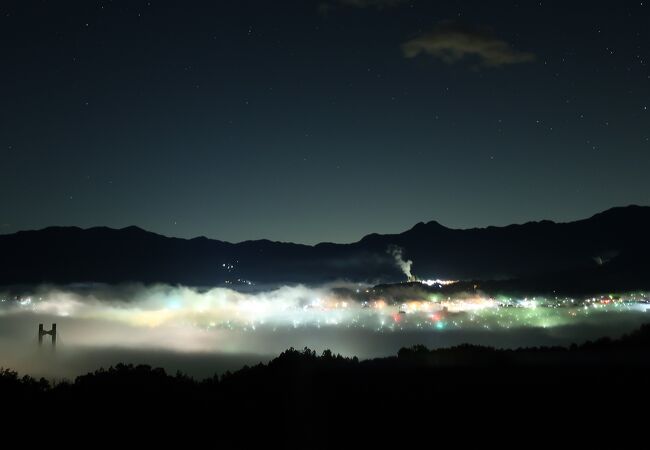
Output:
x=438 y=282
x=193 y=311
x=203 y=331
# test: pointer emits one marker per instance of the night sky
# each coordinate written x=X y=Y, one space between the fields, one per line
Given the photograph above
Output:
x=320 y=120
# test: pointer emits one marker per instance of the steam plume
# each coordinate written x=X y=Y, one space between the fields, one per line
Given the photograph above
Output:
x=405 y=266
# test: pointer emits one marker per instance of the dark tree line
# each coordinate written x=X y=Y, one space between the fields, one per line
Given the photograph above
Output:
x=301 y=392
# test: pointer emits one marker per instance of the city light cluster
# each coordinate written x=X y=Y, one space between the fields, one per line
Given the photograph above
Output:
x=301 y=306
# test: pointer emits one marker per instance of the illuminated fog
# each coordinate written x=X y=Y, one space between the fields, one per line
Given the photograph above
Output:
x=206 y=331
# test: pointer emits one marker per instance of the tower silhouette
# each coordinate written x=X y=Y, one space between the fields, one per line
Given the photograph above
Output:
x=42 y=332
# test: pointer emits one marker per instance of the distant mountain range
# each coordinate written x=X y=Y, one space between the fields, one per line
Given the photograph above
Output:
x=610 y=248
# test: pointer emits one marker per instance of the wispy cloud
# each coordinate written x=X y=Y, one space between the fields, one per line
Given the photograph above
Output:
x=370 y=3
x=327 y=6
x=452 y=43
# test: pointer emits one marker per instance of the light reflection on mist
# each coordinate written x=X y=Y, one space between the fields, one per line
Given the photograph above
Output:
x=204 y=331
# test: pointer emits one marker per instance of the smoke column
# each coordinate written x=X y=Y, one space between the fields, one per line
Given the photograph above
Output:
x=405 y=266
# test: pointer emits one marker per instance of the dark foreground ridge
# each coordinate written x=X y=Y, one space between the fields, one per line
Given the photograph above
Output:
x=300 y=392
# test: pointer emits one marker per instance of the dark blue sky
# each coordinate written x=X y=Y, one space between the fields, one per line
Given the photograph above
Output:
x=317 y=121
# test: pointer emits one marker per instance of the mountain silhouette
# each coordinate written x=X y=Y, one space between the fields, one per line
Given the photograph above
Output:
x=612 y=245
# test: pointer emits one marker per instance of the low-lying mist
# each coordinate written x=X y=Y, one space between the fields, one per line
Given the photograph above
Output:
x=203 y=331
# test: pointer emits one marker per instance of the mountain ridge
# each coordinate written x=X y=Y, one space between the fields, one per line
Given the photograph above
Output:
x=418 y=225
x=616 y=237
